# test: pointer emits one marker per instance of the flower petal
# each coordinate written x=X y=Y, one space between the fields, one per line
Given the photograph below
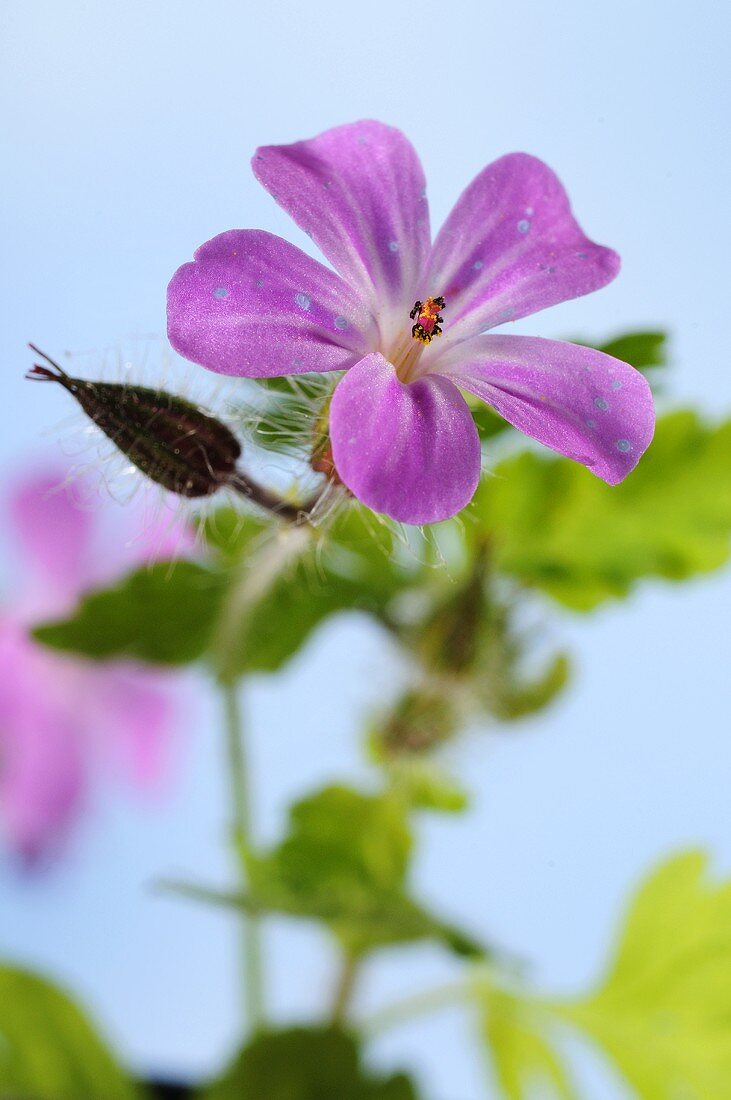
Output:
x=53 y=528
x=580 y=402
x=411 y=451
x=511 y=247
x=359 y=191
x=252 y=304
x=43 y=779
x=140 y=714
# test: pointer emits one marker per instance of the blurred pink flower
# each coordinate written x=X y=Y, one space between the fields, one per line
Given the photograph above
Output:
x=64 y=719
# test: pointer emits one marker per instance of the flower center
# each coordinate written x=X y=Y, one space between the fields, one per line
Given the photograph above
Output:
x=427 y=320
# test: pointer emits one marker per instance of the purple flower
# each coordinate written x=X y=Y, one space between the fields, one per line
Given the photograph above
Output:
x=403 y=438
x=63 y=718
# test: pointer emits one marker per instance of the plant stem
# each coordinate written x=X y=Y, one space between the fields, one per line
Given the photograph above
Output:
x=419 y=1004
x=344 y=988
x=270 y=501
x=241 y=837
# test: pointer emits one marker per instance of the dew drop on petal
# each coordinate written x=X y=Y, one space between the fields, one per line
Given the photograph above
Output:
x=601 y=404
x=259 y=283
x=591 y=424
x=302 y=300
x=220 y=292
x=298 y=362
x=477 y=265
x=393 y=246
x=528 y=211
x=616 y=384
x=523 y=225
x=341 y=323
x=624 y=445
x=582 y=255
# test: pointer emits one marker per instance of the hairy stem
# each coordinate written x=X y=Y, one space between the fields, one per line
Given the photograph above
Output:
x=252 y=582
x=270 y=501
x=253 y=984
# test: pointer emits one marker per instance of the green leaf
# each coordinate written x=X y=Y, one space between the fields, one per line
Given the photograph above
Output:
x=523 y=1060
x=344 y=861
x=306 y=1064
x=48 y=1048
x=520 y=697
x=641 y=350
x=489 y=424
x=554 y=526
x=231 y=533
x=663 y=1011
x=350 y=567
x=161 y=613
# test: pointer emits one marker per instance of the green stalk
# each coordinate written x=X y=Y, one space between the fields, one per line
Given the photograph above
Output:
x=344 y=988
x=250 y=584
x=236 y=757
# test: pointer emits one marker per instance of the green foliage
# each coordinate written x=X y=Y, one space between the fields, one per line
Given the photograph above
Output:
x=306 y=1064
x=556 y=527
x=523 y=1061
x=170 y=613
x=344 y=862
x=469 y=633
x=663 y=1011
x=349 y=567
x=231 y=533
x=162 y=613
x=48 y=1049
x=642 y=350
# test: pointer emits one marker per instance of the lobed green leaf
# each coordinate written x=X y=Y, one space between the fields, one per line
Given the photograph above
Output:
x=48 y=1048
x=306 y=1064
x=554 y=526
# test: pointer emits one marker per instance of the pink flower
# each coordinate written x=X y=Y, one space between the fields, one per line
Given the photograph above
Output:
x=63 y=718
x=403 y=438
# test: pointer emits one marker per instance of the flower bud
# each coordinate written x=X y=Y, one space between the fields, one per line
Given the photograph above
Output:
x=169 y=439
x=420 y=722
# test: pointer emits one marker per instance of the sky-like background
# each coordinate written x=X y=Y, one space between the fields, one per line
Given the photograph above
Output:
x=129 y=129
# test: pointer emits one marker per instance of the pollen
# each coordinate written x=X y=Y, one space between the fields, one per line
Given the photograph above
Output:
x=428 y=319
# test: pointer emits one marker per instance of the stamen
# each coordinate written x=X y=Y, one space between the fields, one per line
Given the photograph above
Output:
x=428 y=319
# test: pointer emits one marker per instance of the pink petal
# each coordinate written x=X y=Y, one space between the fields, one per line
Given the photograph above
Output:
x=252 y=304
x=410 y=451
x=44 y=772
x=578 y=401
x=359 y=191
x=511 y=247
x=54 y=528
x=137 y=712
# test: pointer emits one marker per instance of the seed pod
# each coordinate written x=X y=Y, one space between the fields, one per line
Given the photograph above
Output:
x=169 y=439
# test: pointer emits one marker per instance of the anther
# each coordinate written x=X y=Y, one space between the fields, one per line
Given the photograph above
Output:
x=428 y=319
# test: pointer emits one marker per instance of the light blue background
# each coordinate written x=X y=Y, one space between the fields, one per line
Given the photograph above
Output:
x=129 y=129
